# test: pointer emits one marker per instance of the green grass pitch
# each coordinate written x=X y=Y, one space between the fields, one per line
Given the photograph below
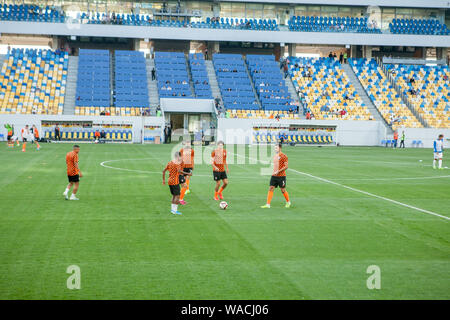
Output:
x=128 y=246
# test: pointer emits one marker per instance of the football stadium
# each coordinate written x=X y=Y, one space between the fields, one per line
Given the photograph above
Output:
x=224 y=150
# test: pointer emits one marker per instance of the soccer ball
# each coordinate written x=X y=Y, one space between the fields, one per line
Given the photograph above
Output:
x=96 y=140
x=223 y=205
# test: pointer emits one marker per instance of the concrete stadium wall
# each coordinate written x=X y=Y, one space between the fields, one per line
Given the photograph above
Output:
x=240 y=131
x=426 y=135
x=348 y=133
x=138 y=32
x=380 y=3
x=19 y=121
x=187 y=105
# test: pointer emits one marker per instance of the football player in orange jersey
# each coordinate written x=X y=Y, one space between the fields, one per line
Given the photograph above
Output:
x=73 y=173
x=219 y=162
x=278 y=179
x=175 y=172
x=187 y=158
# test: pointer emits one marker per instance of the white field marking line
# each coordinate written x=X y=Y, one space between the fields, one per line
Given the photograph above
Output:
x=134 y=170
x=390 y=179
x=103 y=164
x=361 y=191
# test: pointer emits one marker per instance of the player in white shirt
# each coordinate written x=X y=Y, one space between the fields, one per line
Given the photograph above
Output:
x=438 y=146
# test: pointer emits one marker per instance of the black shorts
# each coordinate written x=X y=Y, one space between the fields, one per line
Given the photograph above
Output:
x=182 y=178
x=75 y=178
x=188 y=170
x=175 y=189
x=219 y=175
x=9 y=138
x=278 y=182
x=24 y=139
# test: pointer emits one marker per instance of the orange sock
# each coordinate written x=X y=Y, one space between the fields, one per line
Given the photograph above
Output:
x=183 y=191
x=286 y=196
x=38 y=146
x=269 y=197
x=24 y=146
x=221 y=189
x=216 y=194
x=187 y=182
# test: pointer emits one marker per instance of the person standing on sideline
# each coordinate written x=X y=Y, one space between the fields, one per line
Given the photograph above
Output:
x=73 y=173
x=438 y=148
x=57 y=133
x=341 y=58
x=402 y=140
x=169 y=133
x=395 y=139
x=36 y=137
x=345 y=57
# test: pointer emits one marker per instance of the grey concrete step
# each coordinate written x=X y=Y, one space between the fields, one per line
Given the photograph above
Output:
x=215 y=90
x=191 y=82
x=71 y=86
x=293 y=93
x=152 y=86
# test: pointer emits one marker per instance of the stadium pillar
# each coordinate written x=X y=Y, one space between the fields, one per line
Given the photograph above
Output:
x=55 y=43
x=282 y=49
x=353 y=50
x=292 y=49
x=213 y=47
x=136 y=44
x=441 y=53
x=367 y=52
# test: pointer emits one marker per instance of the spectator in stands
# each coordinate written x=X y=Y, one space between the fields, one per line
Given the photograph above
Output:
x=412 y=80
x=153 y=74
x=102 y=113
x=286 y=69
x=308 y=115
x=108 y=113
x=158 y=111
x=324 y=108
x=334 y=55
x=291 y=111
x=341 y=58
x=330 y=55
x=206 y=54
x=412 y=92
